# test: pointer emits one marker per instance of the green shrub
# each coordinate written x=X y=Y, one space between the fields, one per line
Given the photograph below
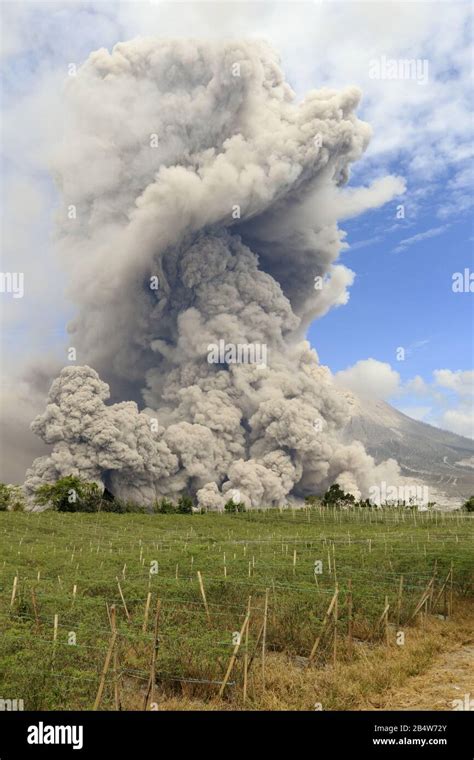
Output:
x=71 y=494
x=185 y=504
x=4 y=497
x=11 y=498
x=335 y=497
x=232 y=506
x=165 y=506
x=468 y=506
x=118 y=506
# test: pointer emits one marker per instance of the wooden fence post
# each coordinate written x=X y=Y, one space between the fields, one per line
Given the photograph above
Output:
x=323 y=627
x=15 y=584
x=113 y=623
x=384 y=618
x=123 y=600
x=35 y=608
x=203 y=594
x=422 y=600
x=264 y=634
x=430 y=603
x=451 y=591
x=151 y=681
x=147 y=609
x=399 y=600
x=55 y=639
x=74 y=592
x=246 y=653
x=349 y=618
x=235 y=652
x=105 y=668
x=440 y=593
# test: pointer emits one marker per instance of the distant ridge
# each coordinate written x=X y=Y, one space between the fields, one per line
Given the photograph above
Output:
x=444 y=461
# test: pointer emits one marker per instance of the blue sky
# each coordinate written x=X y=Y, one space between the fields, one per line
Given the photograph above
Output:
x=416 y=304
x=402 y=294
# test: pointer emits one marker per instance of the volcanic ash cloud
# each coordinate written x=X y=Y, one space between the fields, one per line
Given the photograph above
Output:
x=206 y=203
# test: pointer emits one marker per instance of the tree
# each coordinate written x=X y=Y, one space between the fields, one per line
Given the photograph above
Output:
x=4 y=497
x=335 y=497
x=70 y=494
x=468 y=506
x=165 y=506
x=11 y=498
x=185 y=504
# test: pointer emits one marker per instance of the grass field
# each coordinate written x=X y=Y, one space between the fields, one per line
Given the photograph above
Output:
x=68 y=568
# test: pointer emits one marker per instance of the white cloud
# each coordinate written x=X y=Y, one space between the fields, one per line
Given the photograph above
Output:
x=354 y=201
x=434 y=232
x=461 y=381
x=460 y=421
x=365 y=243
x=447 y=399
x=370 y=378
x=417 y=386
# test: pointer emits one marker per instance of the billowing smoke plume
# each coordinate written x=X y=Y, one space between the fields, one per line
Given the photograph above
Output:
x=200 y=233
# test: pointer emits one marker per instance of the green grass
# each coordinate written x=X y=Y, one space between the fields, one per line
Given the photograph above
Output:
x=372 y=548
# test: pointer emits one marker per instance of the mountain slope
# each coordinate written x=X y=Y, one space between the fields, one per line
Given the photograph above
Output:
x=443 y=461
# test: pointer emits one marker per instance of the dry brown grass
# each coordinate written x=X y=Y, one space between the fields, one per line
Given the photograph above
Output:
x=432 y=668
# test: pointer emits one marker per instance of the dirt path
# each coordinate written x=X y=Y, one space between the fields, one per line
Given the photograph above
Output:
x=451 y=677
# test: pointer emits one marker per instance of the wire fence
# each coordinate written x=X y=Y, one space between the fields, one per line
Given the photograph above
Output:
x=381 y=580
